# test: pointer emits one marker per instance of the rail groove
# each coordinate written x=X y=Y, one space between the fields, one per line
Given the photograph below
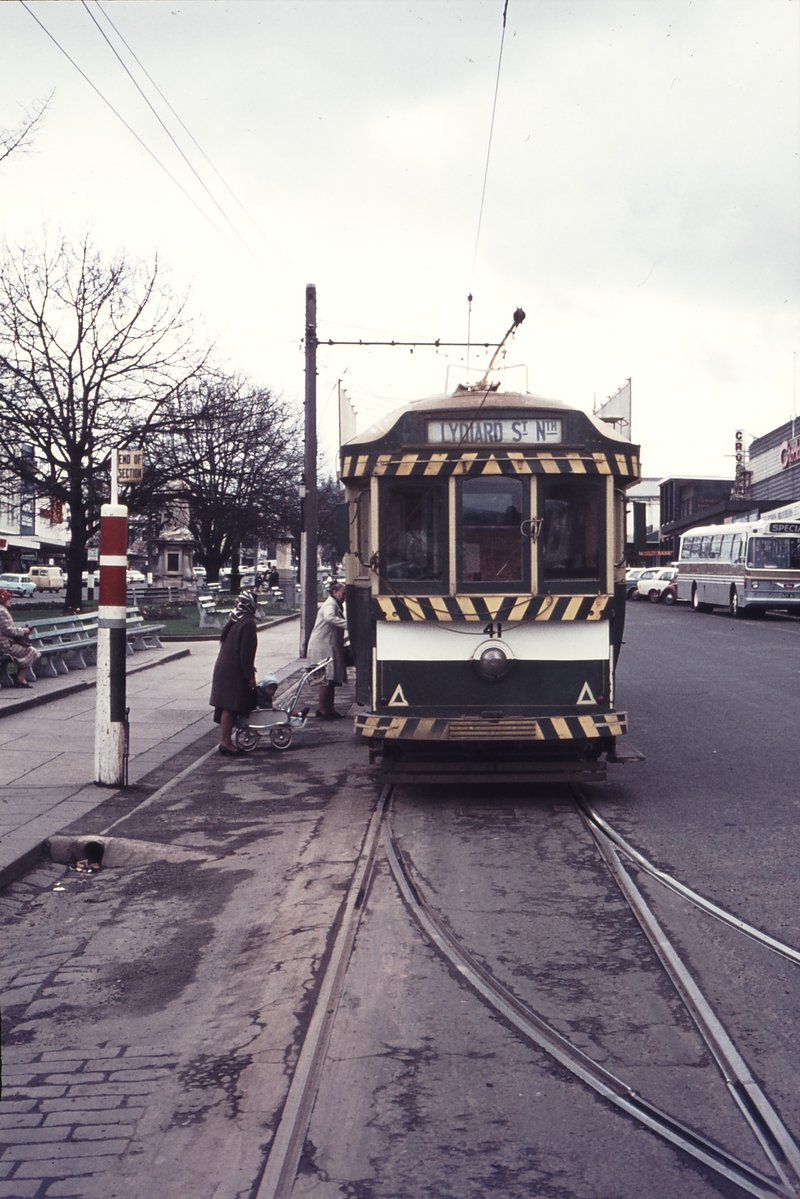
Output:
x=279 y=1173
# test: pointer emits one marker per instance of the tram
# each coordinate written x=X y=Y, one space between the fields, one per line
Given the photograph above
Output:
x=485 y=587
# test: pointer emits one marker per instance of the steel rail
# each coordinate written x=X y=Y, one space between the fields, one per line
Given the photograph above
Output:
x=772 y=1134
x=537 y=1030
x=679 y=888
x=280 y=1169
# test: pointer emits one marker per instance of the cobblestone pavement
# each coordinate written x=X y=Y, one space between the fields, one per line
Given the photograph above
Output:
x=153 y=1013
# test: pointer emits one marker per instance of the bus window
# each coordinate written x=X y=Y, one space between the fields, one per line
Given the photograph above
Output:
x=715 y=549
x=694 y=547
x=774 y=553
x=414 y=530
x=705 y=547
x=571 y=541
x=727 y=543
x=737 y=550
x=492 y=543
x=686 y=548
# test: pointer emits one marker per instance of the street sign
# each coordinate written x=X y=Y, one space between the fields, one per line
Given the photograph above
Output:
x=130 y=466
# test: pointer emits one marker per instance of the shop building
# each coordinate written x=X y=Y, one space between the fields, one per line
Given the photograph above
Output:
x=774 y=466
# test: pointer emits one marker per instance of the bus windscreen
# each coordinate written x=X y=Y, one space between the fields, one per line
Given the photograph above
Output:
x=774 y=553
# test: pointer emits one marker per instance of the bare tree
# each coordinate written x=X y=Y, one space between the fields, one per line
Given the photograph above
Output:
x=230 y=452
x=90 y=350
x=19 y=138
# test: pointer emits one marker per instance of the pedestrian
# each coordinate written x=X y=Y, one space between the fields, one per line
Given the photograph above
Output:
x=235 y=671
x=273 y=578
x=327 y=641
x=14 y=641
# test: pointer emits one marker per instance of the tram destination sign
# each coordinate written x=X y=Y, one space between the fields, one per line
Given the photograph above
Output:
x=494 y=431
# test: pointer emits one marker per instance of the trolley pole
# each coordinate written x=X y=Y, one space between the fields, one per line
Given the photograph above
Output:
x=308 y=546
x=110 y=715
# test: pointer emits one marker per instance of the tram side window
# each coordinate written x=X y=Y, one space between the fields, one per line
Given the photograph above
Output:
x=415 y=530
x=492 y=545
x=572 y=535
x=774 y=553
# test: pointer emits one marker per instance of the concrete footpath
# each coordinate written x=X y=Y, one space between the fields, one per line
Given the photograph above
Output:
x=47 y=748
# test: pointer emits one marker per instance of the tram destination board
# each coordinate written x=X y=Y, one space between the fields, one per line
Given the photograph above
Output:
x=494 y=431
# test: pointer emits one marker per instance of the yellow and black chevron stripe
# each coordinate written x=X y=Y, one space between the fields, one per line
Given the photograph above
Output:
x=492 y=462
x=510 y=728
x=502 y=608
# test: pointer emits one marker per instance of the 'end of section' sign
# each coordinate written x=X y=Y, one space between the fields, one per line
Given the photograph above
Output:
x=130 y=466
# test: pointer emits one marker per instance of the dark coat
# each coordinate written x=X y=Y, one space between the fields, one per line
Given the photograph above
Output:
x=233 y=670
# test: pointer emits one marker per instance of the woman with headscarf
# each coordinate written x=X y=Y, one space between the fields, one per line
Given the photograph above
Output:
x=327 y=641
x=235 y=670
x=14 y=640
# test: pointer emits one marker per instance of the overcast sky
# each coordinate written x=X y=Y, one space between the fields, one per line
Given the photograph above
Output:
x=642 y=203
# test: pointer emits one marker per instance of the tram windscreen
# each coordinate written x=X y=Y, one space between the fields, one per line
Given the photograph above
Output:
x=774 y=553
x=491 y=540
x=572 y=535
x=415 y=536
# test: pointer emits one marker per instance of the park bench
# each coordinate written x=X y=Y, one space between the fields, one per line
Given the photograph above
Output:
x=140 y=634
x=68 y=643
x=210 y=613
x=141 y=592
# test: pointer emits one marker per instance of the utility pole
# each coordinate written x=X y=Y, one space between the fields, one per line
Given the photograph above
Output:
x=308 y=537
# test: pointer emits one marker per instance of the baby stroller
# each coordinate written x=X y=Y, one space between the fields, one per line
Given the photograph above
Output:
x=283 y=719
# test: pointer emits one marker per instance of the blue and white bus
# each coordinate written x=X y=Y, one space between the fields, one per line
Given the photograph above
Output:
x=748 y=567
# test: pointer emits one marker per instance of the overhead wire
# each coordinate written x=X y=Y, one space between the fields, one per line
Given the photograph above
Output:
x=187 y=130
x=491 y=133
x=119 y=117
x=166 y=129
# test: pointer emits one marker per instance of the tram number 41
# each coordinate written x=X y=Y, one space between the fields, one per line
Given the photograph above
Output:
x=493 y=629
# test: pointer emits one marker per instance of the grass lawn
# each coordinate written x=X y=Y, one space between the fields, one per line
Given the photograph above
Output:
x=179 y=620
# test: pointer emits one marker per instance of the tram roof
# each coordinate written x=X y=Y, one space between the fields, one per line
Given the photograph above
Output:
x=471 y=405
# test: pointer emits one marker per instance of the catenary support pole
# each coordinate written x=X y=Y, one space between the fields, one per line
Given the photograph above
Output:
x=110 y=719
x=308 y=562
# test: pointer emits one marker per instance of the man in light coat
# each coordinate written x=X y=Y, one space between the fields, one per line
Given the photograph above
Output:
x=327 y=641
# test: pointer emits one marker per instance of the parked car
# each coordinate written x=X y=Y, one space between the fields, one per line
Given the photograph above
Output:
x=17 y=584
x=669 y=595
x=632 y=577
x=134 y=576
x=47 y=578
x=649 y=573
x=652 y=583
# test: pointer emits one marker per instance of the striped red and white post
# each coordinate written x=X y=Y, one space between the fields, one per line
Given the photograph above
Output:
x=110 y=723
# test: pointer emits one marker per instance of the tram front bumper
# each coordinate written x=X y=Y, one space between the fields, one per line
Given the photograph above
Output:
x=601 y=725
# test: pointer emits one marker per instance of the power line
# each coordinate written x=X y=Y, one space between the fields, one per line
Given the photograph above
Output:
x=491 y=131
x=199 y=179
x=119 y=117
x=186 y=129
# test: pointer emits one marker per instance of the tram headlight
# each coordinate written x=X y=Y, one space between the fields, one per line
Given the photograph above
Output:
x=493 y=662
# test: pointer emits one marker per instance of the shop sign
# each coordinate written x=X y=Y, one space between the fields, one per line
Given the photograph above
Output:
x=790 y=453
x=526 y=431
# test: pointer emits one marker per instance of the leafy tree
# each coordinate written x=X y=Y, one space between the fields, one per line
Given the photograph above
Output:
x=90 y=350
x=229 y=454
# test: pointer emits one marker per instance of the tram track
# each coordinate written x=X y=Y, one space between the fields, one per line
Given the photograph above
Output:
x=779 y=1147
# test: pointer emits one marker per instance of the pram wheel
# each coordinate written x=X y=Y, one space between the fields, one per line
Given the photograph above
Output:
x=281 y=736
x=245 y=739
